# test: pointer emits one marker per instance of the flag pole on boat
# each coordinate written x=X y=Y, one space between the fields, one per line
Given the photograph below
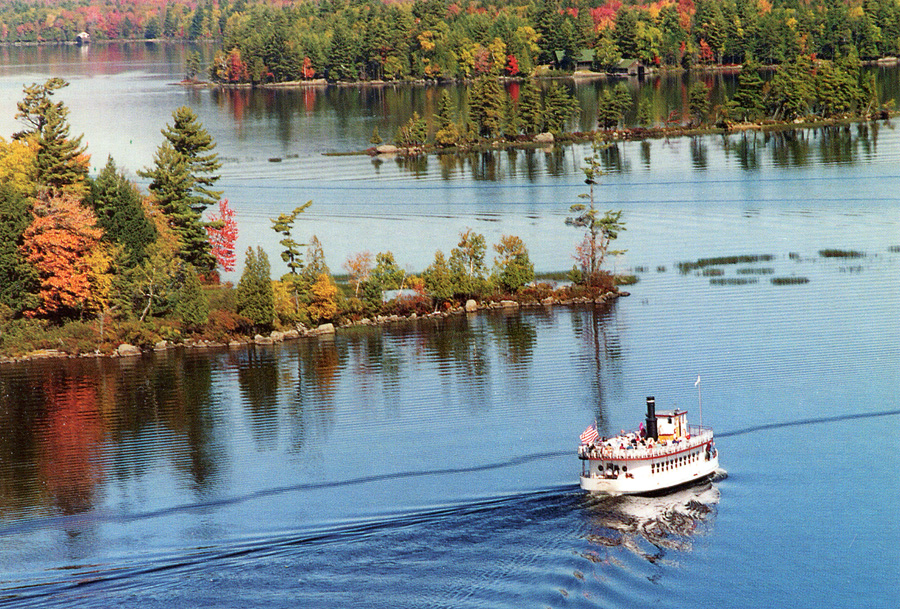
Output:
x=699 y=399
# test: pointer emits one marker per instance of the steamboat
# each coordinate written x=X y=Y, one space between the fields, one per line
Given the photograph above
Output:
x=665 y=453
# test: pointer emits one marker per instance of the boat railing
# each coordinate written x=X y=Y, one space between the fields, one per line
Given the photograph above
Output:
x=698 y=435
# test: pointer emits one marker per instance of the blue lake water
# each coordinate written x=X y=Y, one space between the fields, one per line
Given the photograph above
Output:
x=433 y=464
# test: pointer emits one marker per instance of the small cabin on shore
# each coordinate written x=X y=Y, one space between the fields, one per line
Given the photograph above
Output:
x=628 y=67
x=83 y=39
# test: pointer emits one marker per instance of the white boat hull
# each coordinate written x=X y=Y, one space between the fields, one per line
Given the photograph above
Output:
x=641 y=483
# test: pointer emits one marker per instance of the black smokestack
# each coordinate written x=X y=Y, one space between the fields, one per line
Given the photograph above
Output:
x=651 y=418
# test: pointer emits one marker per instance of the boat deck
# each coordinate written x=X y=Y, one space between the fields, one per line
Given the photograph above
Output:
x=631 y=446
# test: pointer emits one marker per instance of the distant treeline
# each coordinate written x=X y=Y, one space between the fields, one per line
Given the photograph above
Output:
x=439 y=40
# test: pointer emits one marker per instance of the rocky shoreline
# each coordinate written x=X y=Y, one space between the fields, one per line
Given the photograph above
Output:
x=323 y=331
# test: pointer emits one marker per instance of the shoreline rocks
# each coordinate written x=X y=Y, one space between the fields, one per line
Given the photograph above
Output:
x=323 y=331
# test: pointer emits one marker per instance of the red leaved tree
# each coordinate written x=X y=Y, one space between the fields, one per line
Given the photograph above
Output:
x=223 y=235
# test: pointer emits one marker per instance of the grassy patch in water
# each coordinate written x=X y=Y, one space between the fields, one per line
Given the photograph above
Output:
x=626 y=279
x=835 y=253
x=733 y=281
x=756 y=271
x=713 y=272
x=789 y=280
x=687 y=267
x=894 y=249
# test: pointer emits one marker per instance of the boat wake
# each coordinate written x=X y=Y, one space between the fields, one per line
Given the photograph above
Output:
x=652 y=526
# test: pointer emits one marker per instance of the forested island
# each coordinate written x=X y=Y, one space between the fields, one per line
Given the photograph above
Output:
x=91 y=263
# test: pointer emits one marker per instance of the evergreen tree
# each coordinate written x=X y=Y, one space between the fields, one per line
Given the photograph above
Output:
x=61 y=164
x=17 y=278
x=510 y=124
x=599 y=231
x=559 y=107
x=34 y=109
x=531 y=109
x=117 y=205
x=608 y=113
x=190 y=139
x=438 y=280
x=171 y=184
x=698 y=100
x=486 y=105
x=192 y=306
x=284 y=225
x=645 y=113
x=747 y=103
x=255 y=297
x=446 y=129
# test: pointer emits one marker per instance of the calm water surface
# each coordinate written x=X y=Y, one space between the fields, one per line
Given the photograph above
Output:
x=433 y=464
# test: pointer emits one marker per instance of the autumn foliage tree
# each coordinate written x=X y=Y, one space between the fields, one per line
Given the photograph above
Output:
x=222 y=230
x=63 y=245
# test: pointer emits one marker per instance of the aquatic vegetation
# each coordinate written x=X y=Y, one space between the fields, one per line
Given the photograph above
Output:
x=789 y=280
x=733 y=281
x=713 y=272
x=756 y=271
x=835 y=253
x=687 y=267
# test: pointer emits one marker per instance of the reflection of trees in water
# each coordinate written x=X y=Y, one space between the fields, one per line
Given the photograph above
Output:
x=194 y=419
x=22 y=407
x=746 y=147
x=69 y=436
x=318 y=363
x=789 y=148
x=598 y=337
x=461 y=351
x=649 y=526
x=699 y=157
x=257 y=374
x=515 y=335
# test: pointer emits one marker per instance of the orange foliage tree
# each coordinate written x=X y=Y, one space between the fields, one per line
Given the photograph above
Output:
x=63 y=245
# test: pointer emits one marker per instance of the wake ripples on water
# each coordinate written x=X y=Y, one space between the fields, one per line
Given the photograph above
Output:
x=537 y=546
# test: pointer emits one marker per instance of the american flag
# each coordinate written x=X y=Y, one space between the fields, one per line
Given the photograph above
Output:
x=590 y=434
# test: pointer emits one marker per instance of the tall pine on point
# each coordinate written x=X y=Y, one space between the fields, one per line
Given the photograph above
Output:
x=181 y=182
x=189 y=139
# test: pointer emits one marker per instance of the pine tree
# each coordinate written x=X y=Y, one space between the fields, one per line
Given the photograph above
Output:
x=486 y=106
x=437 y=279
x=170 y=185
x=255 y=297
x=117 y=205
x=192 y=306
x=531 y=109
x=17 y=277
x=559 y=107
x=698 y=100
x=510 y=124
x=747 y=103
x=60 y=160
x=446 y=129
x=189 y=139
